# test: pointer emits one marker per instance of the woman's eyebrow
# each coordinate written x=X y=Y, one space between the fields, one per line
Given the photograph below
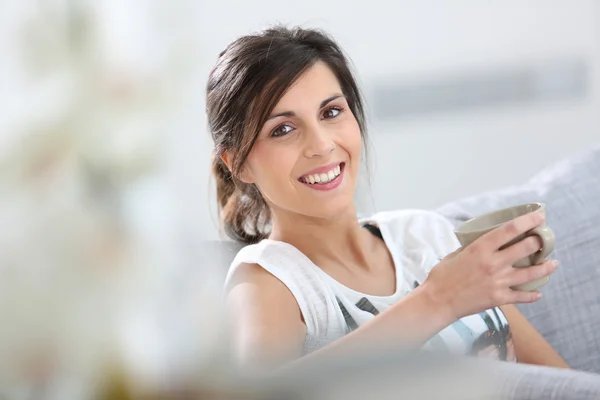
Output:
x=330 y=99
x=292 y=114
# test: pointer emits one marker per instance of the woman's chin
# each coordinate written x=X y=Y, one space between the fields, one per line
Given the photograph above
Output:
x=332 y=211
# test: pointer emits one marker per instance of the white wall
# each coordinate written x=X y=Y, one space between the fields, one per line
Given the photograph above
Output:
x=420 y=161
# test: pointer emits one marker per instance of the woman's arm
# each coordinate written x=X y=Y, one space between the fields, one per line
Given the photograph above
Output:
x=268 y=330
x=266 y=323
x=530 y=346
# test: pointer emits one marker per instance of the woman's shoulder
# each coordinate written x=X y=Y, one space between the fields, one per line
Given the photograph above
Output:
x=267 y=252
x=247 y=262
x=260 y=265
x=278 y=259
x=277 y=270
x=258 y=282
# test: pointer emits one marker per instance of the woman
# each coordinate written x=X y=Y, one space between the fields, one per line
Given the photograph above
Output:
x=288 y=126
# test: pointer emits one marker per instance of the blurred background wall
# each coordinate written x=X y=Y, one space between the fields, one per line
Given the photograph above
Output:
x=463 y=96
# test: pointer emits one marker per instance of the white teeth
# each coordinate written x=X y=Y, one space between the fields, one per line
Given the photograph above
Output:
x=323 y=177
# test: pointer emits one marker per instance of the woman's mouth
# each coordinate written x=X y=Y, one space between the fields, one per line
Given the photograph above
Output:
x=325 y=180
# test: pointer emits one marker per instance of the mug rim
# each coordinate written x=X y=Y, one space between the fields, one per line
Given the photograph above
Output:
x=461 y=229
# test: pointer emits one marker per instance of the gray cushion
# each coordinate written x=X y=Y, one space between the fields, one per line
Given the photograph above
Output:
x=568 y=316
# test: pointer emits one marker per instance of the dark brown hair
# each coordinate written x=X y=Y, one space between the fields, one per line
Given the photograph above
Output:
x=249 y=79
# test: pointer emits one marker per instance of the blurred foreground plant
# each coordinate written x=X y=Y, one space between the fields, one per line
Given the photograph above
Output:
x=90 y=89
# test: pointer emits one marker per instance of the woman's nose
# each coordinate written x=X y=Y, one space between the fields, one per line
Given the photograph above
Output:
x=319 y=143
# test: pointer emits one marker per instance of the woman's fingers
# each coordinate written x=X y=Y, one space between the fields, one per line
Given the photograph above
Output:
x=520 y=276
x=519 y=297
x=504 y=234
x=521 y=249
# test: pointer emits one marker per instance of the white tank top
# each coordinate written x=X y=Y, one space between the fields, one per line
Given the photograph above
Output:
x=417 y=241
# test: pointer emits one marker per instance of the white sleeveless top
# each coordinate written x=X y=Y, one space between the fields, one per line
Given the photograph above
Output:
x=417 y=241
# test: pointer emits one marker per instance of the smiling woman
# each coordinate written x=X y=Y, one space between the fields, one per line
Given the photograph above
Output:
x=287 y=121
x=294 y=92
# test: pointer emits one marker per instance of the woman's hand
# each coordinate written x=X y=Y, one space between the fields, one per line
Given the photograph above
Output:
x=480 y=276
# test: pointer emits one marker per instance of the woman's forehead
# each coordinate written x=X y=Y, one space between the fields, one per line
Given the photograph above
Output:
x=310 y=89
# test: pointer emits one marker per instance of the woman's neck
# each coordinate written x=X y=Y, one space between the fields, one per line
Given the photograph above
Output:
x=340 y=240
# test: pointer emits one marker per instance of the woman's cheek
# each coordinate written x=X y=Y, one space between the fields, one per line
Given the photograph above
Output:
x=351 y=139
x=272 y=165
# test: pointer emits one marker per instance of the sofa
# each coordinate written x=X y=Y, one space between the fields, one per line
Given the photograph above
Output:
x=568 y=315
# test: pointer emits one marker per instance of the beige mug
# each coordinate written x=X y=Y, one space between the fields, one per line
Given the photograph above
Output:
x=471 y=230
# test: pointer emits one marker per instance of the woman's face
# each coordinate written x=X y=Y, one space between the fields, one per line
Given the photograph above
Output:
x=307 y=155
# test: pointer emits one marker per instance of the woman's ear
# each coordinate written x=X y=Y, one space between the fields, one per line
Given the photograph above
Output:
x=244 y=175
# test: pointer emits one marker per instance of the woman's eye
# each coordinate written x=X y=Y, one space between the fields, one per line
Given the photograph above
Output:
x=281 y=130
x=331 y=112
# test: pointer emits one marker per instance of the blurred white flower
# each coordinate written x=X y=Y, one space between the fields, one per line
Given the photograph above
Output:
x=86 y=273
